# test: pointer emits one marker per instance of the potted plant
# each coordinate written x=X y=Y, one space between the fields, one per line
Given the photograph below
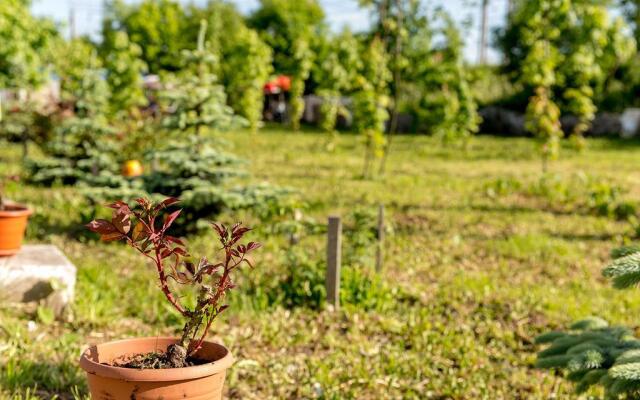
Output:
x=186 y=367
x=13 y=222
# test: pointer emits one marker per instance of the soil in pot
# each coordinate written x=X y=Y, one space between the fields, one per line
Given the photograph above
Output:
x=13 y=223
x=172 y=358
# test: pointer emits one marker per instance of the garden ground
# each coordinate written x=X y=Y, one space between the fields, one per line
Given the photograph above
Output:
x=483 y=255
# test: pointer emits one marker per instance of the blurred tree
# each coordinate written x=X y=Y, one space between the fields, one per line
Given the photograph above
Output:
x=195 y=100
x=124 y=73
x=82 y=148
x=581 y=47
x=24 y=45
x=336 y=71
x=428 y=79
x=392 y=18
x=157 y=26
x=288 y=27
x=82 y=87
x=245 y=60
x=370 y=102
x=442 y=100
x=24 y=40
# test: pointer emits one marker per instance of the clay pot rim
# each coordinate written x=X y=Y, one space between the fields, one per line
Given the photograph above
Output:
x=154 y=375
x=15 y=210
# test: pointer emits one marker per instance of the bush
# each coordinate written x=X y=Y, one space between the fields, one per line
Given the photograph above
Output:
x=592 y=353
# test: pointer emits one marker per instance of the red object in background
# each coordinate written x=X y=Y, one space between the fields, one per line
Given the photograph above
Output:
x=271 y=88
x=282 y=83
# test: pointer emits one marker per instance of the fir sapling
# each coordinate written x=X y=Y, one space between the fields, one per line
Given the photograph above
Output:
x=591 y=352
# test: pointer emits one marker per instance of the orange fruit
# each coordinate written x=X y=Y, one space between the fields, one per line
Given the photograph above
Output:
x=132 y=168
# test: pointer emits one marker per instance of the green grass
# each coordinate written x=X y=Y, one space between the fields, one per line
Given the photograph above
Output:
x=470 y=276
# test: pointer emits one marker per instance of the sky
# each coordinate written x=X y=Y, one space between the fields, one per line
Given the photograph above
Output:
x=339 y=13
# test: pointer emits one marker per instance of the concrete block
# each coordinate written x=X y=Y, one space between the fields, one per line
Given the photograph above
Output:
x=38 y=273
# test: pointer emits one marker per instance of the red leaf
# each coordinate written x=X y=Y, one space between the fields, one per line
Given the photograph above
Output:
x=139 y=232
x=101 y=226
x=220 y=228
x=143 y=202
x=190 y=267
x=118 y=204
x=180 y=251
x=239 y=232
x=169 y=201
x=108 y=237
x=253 y=246
x=121 y=220
x=168 y=219
x=173 y=239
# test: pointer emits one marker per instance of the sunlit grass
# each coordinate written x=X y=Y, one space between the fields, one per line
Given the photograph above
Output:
x=474 y=275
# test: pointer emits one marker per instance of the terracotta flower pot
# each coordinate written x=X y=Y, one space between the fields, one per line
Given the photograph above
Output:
x=13 y=222
x=202 y=382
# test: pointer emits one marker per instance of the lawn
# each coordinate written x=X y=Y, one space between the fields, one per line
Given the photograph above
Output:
x=482 y=256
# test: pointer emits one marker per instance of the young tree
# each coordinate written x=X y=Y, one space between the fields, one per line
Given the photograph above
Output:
x=196 y=99
x=245 y=60
x=566 y=50
x=444 y=101
x=124 y=73
x=82 y=87
x=25 y=40
x=82 y=149
x=158 y=27
x=370 y=102
x=288 y=27
x=24 y=44
x=336 y=72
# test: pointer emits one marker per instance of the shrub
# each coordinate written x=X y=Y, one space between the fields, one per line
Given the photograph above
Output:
x=593 y=353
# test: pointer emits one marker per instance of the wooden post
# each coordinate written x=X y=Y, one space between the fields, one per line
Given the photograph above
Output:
x=380 y=248
x=334 y=233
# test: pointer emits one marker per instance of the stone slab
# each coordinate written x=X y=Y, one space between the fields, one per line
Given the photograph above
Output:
x=38 y=273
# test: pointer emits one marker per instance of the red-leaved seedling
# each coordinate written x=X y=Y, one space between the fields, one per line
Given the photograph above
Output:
x=144 y=227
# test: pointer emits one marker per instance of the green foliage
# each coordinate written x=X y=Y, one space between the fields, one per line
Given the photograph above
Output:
x=245 y=60
x=370 y=101
x=593 y=353
x=195 y=99
x=445 y=103
x=543 y=120
x=564 y=51
x=157 y=26
x=82 y=88
x=25 y=40
x=124 y=72
x=81 y=151
x=336 y=70
x=288 y=28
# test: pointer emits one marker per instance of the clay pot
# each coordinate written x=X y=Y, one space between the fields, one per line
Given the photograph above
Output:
x=13 y=222
x=201 y=382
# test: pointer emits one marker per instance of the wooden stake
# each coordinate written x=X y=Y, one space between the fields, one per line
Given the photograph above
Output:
x=334 y=242
x=380 y=248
